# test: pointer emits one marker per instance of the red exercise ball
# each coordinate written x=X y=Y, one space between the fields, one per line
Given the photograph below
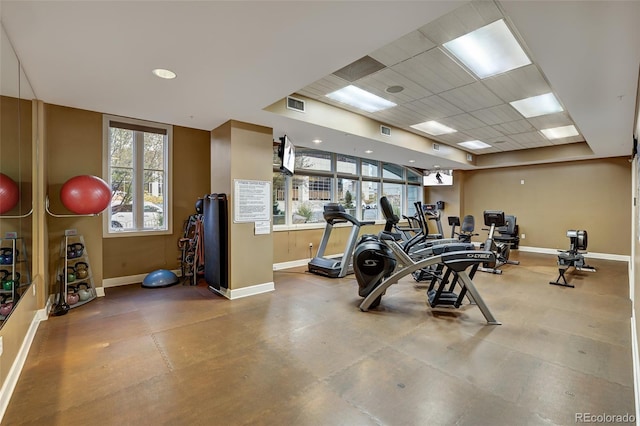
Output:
x=85 y=194
x=9 y=193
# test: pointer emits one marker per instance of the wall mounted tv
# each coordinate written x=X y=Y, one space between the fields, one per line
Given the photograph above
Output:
x=438 y=178
x=287 y=154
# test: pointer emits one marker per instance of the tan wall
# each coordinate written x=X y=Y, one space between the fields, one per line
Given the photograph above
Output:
x=140 y=255
x=294 y=245
x=243 y=151
x=452 y=197
x=74 y=139
x=592 y=195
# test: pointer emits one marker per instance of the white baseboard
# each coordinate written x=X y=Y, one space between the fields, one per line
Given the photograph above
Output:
x=10 y=382
x=126 y=280
x=591 y=255
x=291 y=264
x=245 y=291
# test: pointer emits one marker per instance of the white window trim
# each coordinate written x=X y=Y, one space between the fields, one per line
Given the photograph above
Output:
x=168 y=213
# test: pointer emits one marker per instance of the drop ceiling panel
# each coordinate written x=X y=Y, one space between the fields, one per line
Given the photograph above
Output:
x=496 y=115
x=484 y=133
x=550 y=120
x=402 y=49
x=434 y=71
x=378 y=83
x=461 y=21
x=400 y=116
x=433 y=108
x=514 y=127
x=453 y=138
x=462 y=122
x=320 y=88
x=472 y=97
x=530 y=139
x=520 y=83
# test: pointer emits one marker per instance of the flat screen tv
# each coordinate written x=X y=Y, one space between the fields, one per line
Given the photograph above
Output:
x=438 y=178
x=287 y=154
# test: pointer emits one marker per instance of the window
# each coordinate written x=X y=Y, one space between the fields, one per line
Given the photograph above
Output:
x=137 y=169
x=355 y=183
x=369 y=198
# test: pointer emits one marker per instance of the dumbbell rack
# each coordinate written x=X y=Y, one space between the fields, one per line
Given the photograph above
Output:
x=69 y=258
x=18 y=267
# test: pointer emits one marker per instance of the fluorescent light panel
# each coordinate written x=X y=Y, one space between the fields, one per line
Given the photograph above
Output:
x=560 y=132
x=433 y=128
x=361 y=99
x=474 y=144
x=489 y=50
x=537 y=105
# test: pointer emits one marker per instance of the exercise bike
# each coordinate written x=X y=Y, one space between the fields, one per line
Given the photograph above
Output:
x=574 y=257
x=494 y=219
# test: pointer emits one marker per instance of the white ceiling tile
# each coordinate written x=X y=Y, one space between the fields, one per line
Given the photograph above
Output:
x=325 y=85
x=399 y=116
x=402 y=49
x=484 y=133
x=434 y=71
x=462 y=20
x=514 y=127
x=496 y=115
x=520 y=83
x=378 y=82
x=433 y=108
x=472 y=97
x=551 y=120
x=462 y=122
x=529 y=138
x=452 y=138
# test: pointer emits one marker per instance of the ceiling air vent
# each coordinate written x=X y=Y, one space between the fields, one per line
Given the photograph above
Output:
x=295 y=104
x=436 y=147
x=384 y=130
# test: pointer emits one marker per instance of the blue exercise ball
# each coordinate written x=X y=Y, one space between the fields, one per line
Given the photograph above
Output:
x=160 y=278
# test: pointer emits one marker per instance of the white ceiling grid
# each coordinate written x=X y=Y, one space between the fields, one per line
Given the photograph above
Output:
x=436 y=87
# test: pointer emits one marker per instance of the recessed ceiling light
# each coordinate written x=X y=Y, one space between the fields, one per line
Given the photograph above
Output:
x=394 y=89
x=368 y=151
x=433 y=128
x=412 y=161
x=317 y=141
x=436 y=166
x=163 y=73
x=560 y=132
x=361 y=99
x=474 y=144
x=537 y=105
x=489 y=50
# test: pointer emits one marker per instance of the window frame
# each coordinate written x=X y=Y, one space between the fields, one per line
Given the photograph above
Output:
x=138 y=171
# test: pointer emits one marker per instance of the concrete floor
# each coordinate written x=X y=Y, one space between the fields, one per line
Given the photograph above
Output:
x=306 y=355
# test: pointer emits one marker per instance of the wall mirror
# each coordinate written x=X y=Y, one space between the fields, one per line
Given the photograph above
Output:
x=16 y=181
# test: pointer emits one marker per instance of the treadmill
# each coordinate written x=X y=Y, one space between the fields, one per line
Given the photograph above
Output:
x=336 y=267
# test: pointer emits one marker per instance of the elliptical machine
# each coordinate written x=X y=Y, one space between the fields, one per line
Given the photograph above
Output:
x=572 y=257
x=493 y=219
x=376 y=261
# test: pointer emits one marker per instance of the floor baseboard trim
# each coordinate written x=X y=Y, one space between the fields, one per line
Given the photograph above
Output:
x=126 y=280
x=591 y=255
x=245 y=291
x=11 y=381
